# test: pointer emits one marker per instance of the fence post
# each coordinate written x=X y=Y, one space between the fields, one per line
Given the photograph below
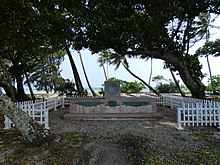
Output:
x=46 y=115
x=179 y=119
x=163 y=99
x=171 y=103
x=218 y=109
x=63 y=102
x=55 y=103
x=7 y=123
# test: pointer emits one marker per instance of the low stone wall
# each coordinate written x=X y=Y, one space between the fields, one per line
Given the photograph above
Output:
x=114 y=106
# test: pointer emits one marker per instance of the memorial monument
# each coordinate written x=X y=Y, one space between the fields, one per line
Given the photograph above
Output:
x=112 y=105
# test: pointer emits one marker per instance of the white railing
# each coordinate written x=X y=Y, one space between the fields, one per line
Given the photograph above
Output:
x=193 y=112
x=172 y=101
x=40 y=115
x=190 y=111
x=175 y=102
x=199 y=114
x=39 y=109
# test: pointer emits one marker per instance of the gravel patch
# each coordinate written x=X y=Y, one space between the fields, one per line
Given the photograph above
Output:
x=162 y=133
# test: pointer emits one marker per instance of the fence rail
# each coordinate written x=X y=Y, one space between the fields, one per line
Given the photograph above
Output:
x=190 y=111
x=193 y=112
x=40 y=115
x=39 y=109
x=199 y=114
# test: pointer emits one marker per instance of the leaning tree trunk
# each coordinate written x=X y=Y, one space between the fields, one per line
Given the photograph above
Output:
x=87 y=80
x=78 y=82
x=32 y=132
x=103 y=67
x=20 y=88
x=151 y=70
x=151 y=88
x=9 y=91
x=29 y=86
x=194 y=84
x=9 y=87
x=177 y=84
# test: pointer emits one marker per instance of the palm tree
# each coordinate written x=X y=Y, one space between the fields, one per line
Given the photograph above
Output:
x=151 y=70
x=177 y=83
x=117 y=59
x=84 y=71
x=203 y=25
x=104 y=58
x=78 y=82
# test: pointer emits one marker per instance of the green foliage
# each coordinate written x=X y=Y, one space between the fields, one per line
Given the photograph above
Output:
x=161 y=87
x=214 y=86
x=66 y=87
x=167 y=88
x=210 y=48
x=144 y=28
x=46 y=75
x=158 y=78
x=125 y=86
x=129 y=87
x=194 y=66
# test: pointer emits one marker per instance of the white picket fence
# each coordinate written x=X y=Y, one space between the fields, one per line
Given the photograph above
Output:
x=193 y=112
x=190 y=111
x=199 y=114
x=38 y=114
x=175 y=102
x=39 y=109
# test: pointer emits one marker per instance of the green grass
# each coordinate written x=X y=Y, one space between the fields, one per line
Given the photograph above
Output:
x=140 y=152
x=64 y=152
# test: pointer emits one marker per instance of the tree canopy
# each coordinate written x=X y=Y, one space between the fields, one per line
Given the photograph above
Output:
x=158 y=29
x=211 y=48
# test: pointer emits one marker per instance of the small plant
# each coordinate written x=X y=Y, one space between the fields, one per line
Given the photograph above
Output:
x=126 y=87
x=214 y=85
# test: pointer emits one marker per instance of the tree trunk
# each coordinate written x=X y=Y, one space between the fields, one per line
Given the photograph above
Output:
x=9 y=87
x=29 y=86
x=193 y=84
x=87 y=80
x=78 y=82
x=151 y=70
x=151 y=88
x=20 y=88
x=103 y=67
x=177 y=84
x=8 y=90
x=32 y=132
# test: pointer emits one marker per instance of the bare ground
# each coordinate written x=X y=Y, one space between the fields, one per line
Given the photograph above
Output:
x=118 y=142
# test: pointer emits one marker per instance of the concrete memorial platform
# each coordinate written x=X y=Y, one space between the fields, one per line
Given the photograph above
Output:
x=112 y=105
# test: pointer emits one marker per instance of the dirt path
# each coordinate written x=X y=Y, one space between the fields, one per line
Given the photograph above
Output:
x=103 y=152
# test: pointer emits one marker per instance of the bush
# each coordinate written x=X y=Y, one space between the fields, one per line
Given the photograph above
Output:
x=214 y=86
x=126 y=87
x=167 y=88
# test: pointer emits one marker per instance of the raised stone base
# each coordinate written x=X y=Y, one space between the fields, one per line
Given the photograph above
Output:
x=114 y=107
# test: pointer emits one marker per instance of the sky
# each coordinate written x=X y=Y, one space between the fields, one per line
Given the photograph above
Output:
x=139 y=67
